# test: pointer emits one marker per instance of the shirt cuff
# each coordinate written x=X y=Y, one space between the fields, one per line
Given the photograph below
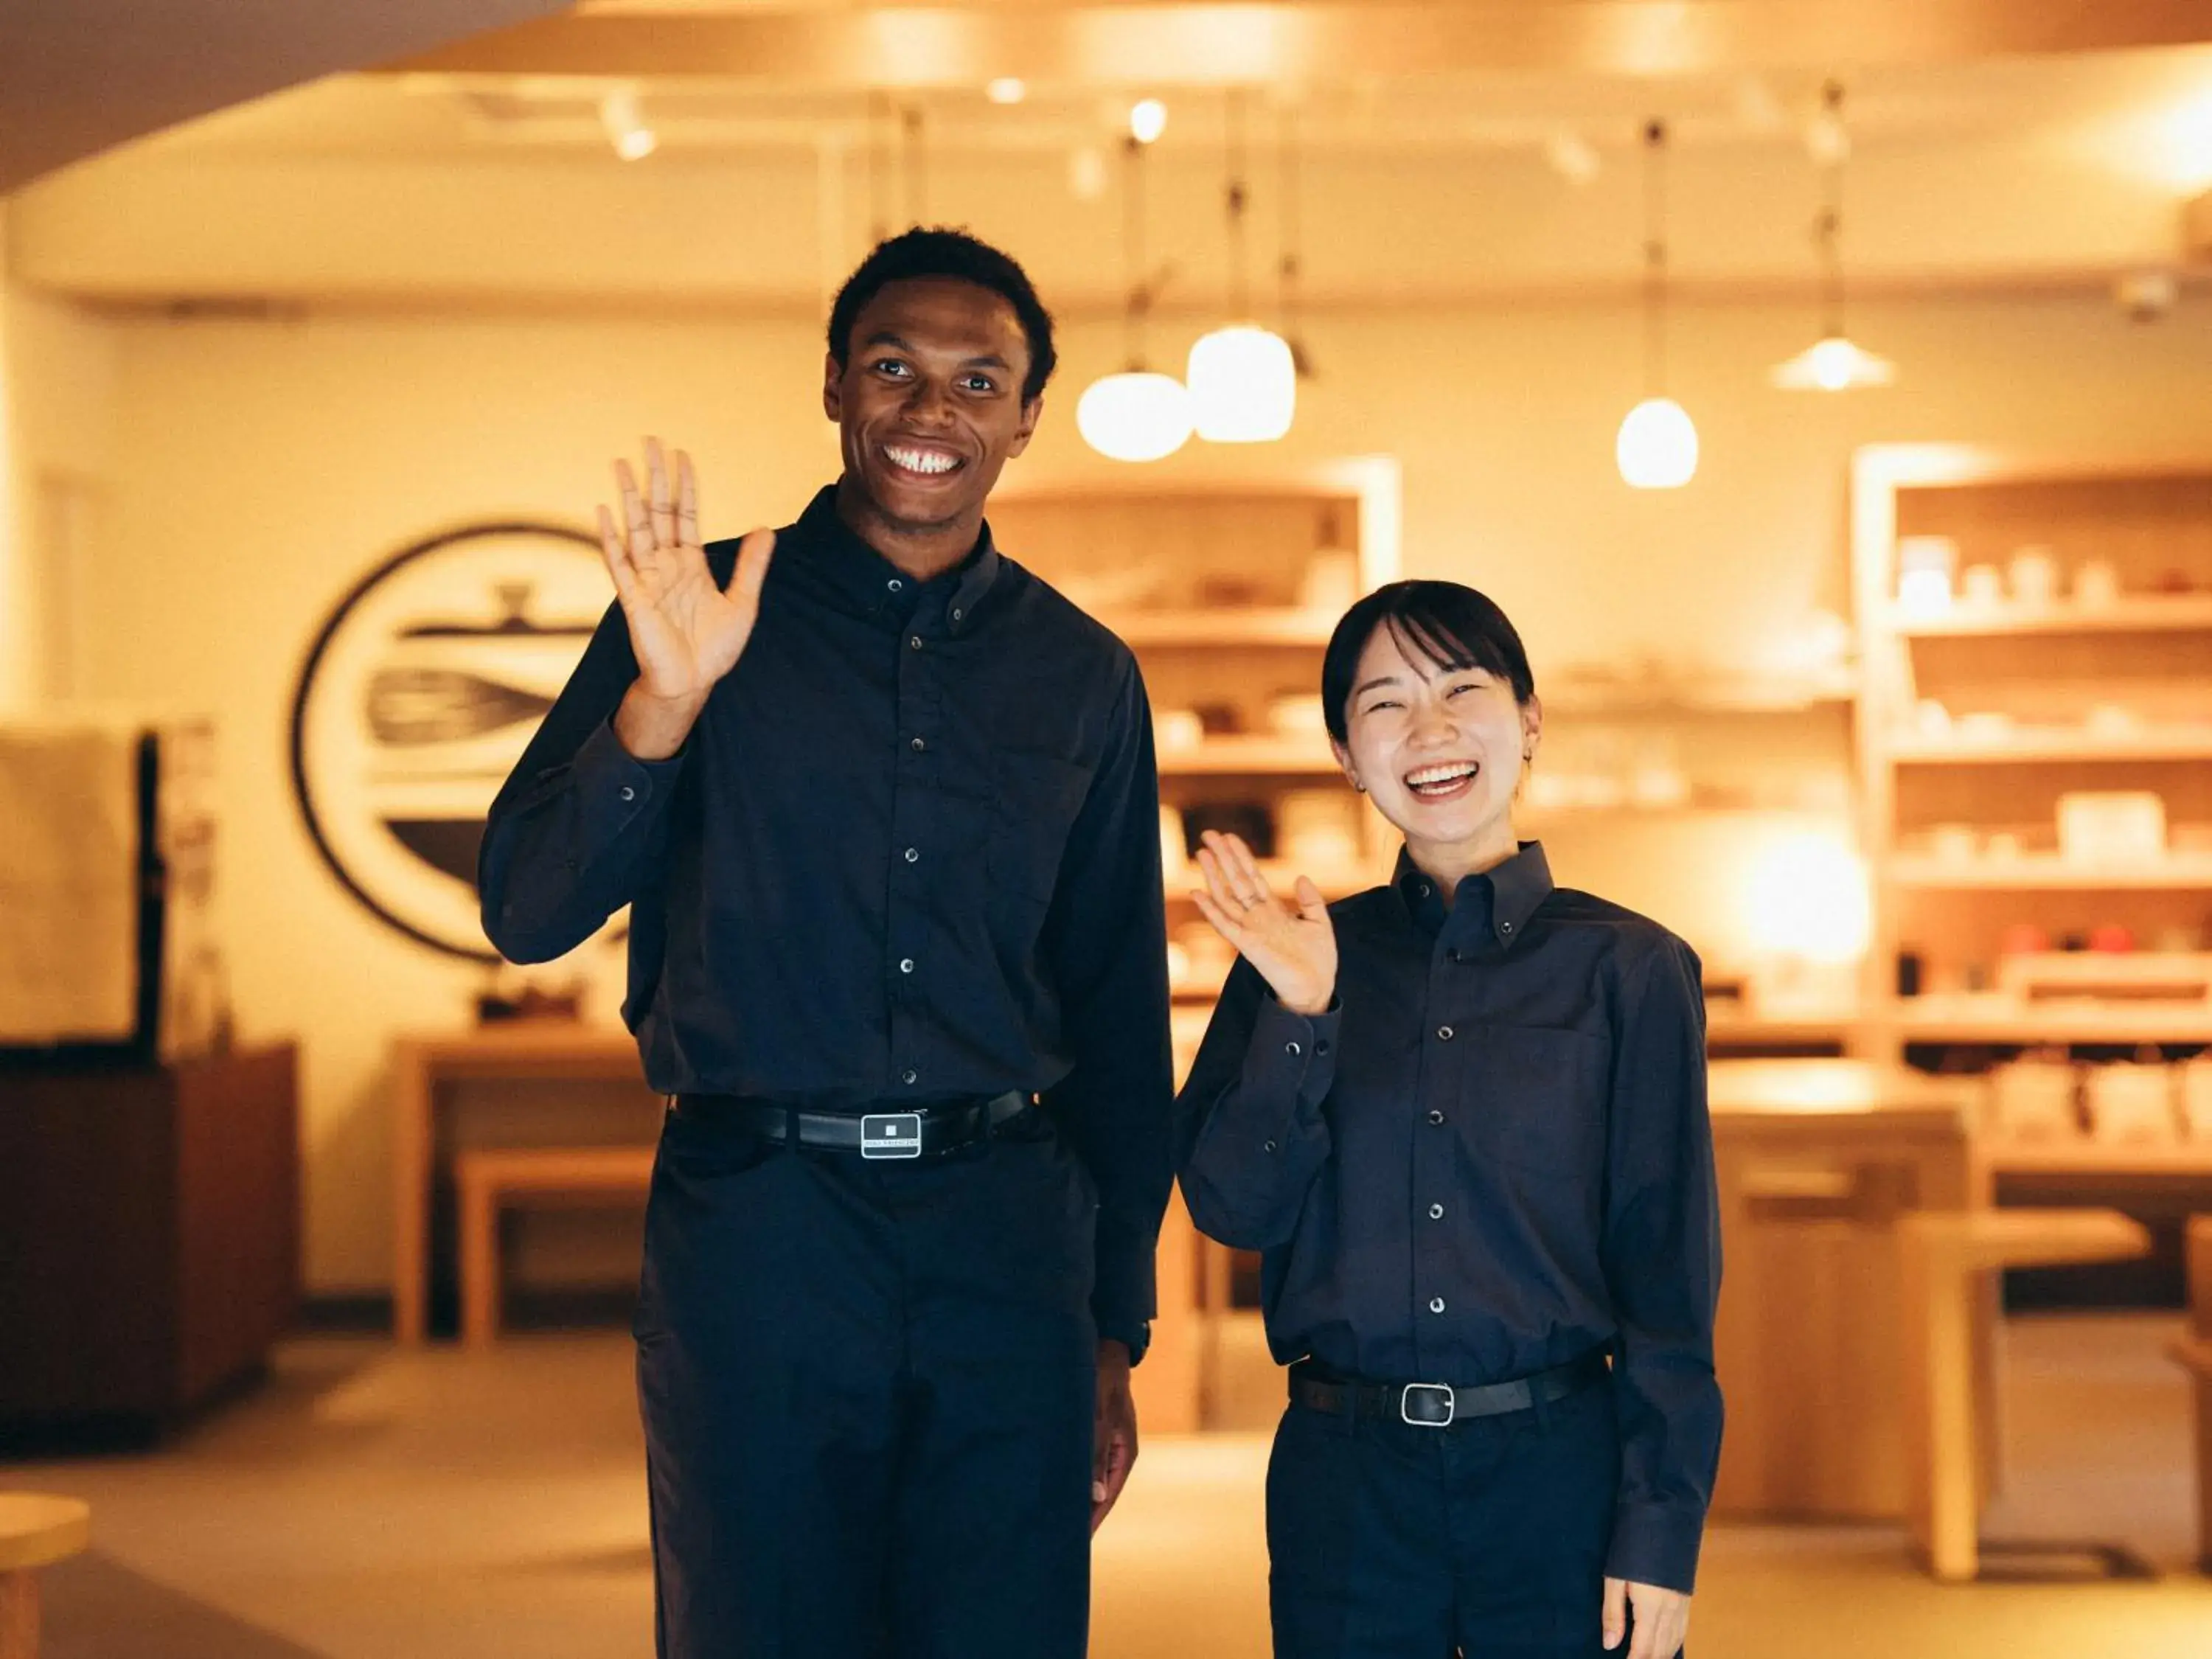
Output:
x=1656 y=1545
x=613 y=788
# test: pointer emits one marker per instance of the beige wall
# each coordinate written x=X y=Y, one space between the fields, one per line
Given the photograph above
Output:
x=260 y=467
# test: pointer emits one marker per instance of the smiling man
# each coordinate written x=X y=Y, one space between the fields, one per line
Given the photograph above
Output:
x=884 y=807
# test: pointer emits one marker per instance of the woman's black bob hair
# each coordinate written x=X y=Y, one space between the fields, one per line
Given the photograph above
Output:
x=1451 y=626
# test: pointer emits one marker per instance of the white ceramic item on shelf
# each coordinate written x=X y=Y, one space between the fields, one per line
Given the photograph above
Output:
x=2034 y=576
x=2112 y=826
x=1925 y=567
x=2195 y=1092
x=2096 y=583
x=1954 y=843
x=1982 y=585
x=1177 y=730
x=1297 y=715
x=2033 y=1100
x=2130 y=1103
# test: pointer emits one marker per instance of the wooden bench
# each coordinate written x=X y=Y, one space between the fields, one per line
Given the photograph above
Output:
x=35 y=1531
x=2194 y=1351
x=1947 y=1258
x=488 y=1177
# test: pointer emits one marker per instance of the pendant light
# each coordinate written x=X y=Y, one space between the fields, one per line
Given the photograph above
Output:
x=1834 y=363
x=1244 y=381
x=1657 y=448
x=1137 y=414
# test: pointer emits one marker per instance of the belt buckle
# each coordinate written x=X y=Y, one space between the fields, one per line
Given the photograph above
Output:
x=1441 y=1393
x=890 y=1134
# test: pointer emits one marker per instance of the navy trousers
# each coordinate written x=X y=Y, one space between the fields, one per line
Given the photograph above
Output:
x=867 y=1389
x=1486 y=1538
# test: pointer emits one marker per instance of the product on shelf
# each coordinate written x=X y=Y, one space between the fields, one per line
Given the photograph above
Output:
x=2193 y=1090
x=2034 y=575
x=2112 y=826
x=2130 y=1103
x=2032 y=1099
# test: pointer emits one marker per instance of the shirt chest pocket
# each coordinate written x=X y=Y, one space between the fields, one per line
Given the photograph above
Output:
x=1037 y=797
x=1534 y=1098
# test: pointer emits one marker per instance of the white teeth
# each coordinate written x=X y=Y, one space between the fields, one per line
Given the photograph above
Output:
x=1435 y=775
x=922 y=460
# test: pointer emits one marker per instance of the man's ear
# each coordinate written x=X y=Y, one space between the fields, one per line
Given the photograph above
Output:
x=833 y=376
x=1031 y=411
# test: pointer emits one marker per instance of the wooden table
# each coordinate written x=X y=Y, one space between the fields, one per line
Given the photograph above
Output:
x=1817 y=1159
x=1167 y=1385
x=523 y=1051
x=35 y=1531
x=1946 y=1259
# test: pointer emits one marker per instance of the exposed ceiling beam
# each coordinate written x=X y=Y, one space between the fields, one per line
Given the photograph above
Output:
x=79 y=76
x=1169 y=44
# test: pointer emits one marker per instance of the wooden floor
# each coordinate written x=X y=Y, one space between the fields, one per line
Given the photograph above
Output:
x=376 y=1504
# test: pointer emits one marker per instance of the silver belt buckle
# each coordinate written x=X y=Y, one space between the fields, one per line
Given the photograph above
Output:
x=890 y=1134
x=1440 y=1391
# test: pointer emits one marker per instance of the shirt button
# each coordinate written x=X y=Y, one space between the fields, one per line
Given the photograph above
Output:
x=1436 y=1212
x=1290 y=1047
x=1505 y=927
x=906 y=964
x=628 y=793
x=895 y=585
x=1444 y=1034
x=1422 y=888
x=914 y=856
x=1436 y=1117
x=909 y=1076
x=1436 y=1305
x=1267 y=1146
x=915 y=642
x=958 y=615
x=917 y=746
x=1322 y=1048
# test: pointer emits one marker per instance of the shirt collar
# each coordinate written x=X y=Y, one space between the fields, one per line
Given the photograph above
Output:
x=1498 y=901
x=874 y=585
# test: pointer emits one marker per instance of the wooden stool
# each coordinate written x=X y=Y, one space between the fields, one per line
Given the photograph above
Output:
x=2194 y=1351
x=488 y=1177
x=1946 y=1256
x=35 y=1531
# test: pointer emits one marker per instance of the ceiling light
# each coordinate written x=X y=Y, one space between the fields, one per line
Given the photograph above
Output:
x=1137 y=414
x=1148 y=119
x=625 y=126
x=1007 y=89
x=1834 y=363
x=1657 y=448
x=1244 y=379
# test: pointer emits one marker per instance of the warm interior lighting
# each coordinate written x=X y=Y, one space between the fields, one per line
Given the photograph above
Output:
x=626 y=129
x=1007 y=89
x=1834 y=363
x=1148 y=119
x=1243 y=384
x=1658 y=446
x=1806 y=895
x=1136 y=415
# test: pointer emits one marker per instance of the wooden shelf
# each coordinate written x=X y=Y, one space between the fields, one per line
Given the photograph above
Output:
x=1726 y=1026
x=1222 y=628
x=1590 y=699
x=2084 y=1156
x=1256 y=755
x=2005 y=1021
x=2032 y=745
x=2142 y=613
x=2181 y=872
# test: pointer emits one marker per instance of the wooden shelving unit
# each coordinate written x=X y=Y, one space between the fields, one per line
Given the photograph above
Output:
x=2144 y=654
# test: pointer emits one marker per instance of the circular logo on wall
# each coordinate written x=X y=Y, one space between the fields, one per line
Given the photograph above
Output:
x=416 y=701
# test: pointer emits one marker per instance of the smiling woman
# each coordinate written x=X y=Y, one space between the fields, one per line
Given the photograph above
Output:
x=1462 y=1118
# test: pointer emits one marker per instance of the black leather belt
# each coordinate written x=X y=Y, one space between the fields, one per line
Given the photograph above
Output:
x=1440 y=1404
x=925 y=1133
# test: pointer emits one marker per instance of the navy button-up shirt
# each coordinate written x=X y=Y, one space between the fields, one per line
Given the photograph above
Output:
x=1492 y=1157
x=909 y=853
